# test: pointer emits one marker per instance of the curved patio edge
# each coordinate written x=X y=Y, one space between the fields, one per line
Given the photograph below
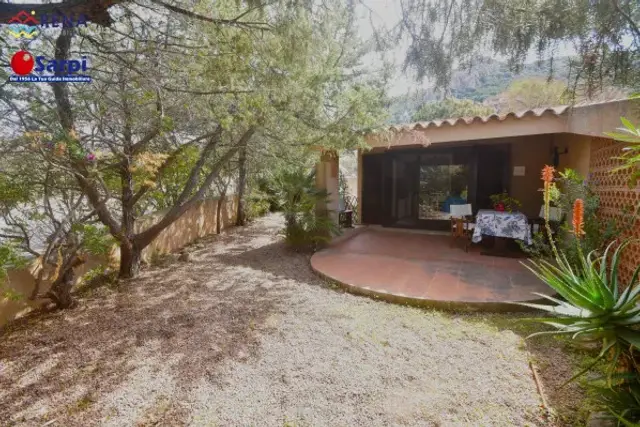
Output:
x=455 y=306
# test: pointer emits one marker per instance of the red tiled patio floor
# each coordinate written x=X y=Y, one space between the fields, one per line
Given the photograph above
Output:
x=425 y=268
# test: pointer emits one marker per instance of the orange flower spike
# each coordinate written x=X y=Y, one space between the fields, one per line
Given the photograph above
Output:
x=578 y=218
x=547 y=174
x=547 y=177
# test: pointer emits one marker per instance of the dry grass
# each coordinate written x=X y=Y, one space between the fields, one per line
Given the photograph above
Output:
x=245 y=334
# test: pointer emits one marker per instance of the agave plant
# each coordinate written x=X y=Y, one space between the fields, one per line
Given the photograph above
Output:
x=593 y=308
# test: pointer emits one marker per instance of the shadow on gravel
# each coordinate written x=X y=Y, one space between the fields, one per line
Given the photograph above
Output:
x=275 y=259
x=192 y=316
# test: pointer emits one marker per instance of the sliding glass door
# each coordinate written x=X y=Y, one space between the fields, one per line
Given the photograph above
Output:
x=418 y=187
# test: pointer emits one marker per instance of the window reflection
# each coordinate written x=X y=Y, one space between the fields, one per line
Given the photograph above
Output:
x=442 y=183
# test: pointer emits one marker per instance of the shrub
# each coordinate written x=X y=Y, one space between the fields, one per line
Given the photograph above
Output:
x=305 y=227
x=258 y=204
x=10 y=258
x=568 y=187
x=630 y=158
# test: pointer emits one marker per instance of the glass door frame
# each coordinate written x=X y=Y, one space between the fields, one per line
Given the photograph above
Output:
x=389 y=204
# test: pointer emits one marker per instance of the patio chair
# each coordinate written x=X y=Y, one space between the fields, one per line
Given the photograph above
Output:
x=462 y=224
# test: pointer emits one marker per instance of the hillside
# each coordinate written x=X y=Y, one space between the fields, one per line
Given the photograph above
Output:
x=485 y=79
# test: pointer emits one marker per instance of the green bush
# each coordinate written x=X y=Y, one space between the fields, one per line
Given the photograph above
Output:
x=594 y=309
x=567 y=188
x=258 y=204
x=630 y=158
x=10 y=258
x=305 y=228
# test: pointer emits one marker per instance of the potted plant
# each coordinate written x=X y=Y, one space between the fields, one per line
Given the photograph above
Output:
x=502 y=202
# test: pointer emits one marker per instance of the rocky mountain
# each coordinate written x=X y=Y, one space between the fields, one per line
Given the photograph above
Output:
x=486 y=79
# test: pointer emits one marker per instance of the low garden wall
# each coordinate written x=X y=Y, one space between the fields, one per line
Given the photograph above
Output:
x=198 y=222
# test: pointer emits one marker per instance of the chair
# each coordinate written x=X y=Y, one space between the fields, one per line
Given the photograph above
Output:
x=462 y=224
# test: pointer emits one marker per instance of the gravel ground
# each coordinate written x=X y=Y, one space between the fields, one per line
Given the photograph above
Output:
x=244 y=334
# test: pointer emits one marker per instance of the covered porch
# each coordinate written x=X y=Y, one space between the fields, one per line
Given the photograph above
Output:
x=411 y=174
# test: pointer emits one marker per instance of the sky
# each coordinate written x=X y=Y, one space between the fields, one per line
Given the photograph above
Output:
x=386 y=14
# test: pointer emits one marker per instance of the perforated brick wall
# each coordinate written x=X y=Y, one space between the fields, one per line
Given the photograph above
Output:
x=615 y=196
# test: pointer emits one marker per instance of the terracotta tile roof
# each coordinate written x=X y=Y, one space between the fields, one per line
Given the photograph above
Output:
x=535 y=112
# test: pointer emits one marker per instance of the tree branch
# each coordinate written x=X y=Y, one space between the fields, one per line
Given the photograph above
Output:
x=232 y=22
x=144 y=238
x=628 y=18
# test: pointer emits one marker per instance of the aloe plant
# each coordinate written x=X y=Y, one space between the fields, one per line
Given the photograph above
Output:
x=594 y=308
x=623 y=399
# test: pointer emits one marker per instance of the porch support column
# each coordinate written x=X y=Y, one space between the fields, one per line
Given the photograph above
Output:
x=327 y=179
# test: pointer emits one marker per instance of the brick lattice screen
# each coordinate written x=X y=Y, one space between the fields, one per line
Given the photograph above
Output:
x=615 y=195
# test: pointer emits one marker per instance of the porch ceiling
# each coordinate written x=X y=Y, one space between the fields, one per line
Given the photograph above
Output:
x=586 y=119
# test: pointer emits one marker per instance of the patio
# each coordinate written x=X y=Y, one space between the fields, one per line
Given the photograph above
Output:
x=424 y=269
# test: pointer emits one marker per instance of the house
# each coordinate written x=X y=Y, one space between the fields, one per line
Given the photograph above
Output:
x=410 y=170
x=410 y=174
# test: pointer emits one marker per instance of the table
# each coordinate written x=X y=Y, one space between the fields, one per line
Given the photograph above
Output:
x=510 y=225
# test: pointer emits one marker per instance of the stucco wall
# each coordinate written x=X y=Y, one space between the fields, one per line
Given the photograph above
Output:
x=327 y=178
x=532 y=152
x=577 y=152
x=198 y=222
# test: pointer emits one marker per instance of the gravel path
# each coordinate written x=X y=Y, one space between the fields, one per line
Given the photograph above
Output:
x=246 y=335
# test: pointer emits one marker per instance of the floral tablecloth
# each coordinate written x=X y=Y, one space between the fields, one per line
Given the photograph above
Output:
x=513 y=225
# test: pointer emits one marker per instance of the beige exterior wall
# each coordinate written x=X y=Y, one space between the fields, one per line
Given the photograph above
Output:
x=198 y=222
x=327 y=178
x=23 y=282
x=532 y=152
x=595 y=120
x=577 y=152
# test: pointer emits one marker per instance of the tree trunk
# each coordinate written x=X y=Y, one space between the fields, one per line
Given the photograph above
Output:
x=241 y=214
x=221 y=200
x=130 y=259
x=60 y=291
